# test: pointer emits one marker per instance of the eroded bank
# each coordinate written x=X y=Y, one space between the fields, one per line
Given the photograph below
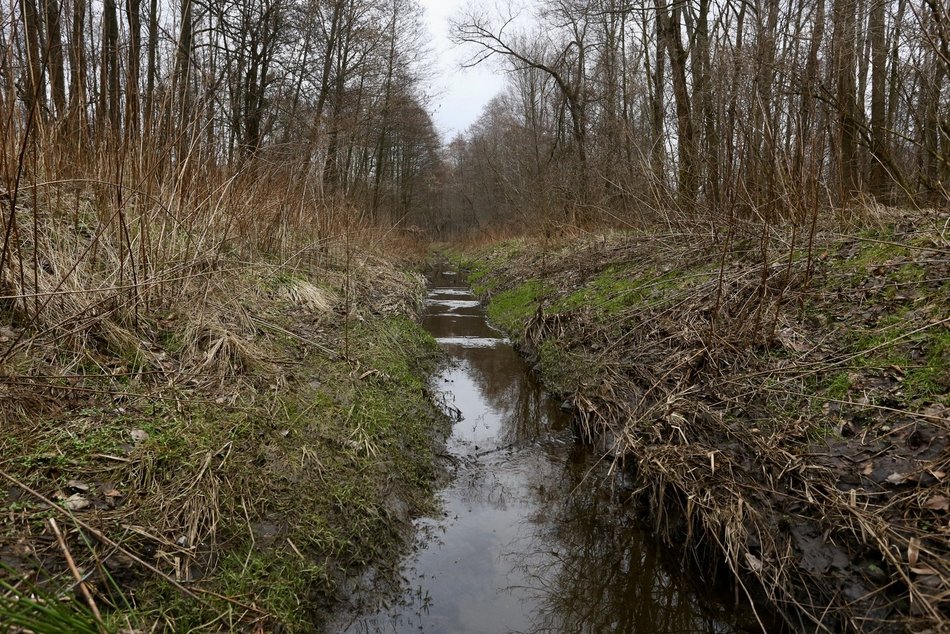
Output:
x=533 y=536
x=779 y=404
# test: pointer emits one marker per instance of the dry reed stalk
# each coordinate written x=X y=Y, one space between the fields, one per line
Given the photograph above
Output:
x=693 y=409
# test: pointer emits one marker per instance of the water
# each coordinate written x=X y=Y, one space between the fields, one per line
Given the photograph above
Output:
x=531 y=540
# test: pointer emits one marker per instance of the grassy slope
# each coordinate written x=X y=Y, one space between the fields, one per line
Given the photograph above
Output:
x=801 y=424
x=261 y=477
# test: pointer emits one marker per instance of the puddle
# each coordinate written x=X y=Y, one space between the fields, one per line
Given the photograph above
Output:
x=531 y=540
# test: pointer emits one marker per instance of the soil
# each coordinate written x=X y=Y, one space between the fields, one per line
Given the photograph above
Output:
x=778 y=401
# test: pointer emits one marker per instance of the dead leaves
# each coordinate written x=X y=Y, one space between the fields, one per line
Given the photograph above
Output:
x=936 y=503
x=79 y=496
x=76 y=502
x=898 y=479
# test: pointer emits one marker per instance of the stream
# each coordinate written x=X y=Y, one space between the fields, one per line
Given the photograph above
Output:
x=531 y=539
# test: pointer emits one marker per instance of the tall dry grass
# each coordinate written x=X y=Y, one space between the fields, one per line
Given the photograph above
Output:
x=106 y=250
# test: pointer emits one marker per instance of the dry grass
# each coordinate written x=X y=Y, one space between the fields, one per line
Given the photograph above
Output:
x=716 y=390
x=154 y=325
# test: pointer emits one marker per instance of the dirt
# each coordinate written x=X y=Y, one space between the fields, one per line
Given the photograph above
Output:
x=776 y=401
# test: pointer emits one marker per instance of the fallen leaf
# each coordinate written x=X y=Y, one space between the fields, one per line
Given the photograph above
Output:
x=792 y=340
x=936 y=411
x=937 y=503
x=897 y=478
x=868 y=469
x=913 y=551
x=78 y=486
x=754 y=563
x=76 y=503
x=923 y=570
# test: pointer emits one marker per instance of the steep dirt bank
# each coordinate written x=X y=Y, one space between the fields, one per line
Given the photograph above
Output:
x=778 y=404
x=218 y=464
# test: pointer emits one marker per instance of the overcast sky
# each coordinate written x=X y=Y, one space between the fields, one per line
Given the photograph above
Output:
x=459 y=95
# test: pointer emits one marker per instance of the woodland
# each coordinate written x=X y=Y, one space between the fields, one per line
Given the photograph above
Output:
x=213 y=218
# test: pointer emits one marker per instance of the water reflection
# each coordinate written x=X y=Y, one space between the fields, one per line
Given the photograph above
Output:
x=530 y=541
x=588 y=568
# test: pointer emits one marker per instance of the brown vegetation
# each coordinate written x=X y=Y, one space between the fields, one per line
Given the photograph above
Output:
x=201 y=346
x=779 y=407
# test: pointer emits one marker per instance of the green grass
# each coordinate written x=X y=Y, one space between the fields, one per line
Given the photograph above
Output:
x=617 y=288
x=890 y=344
x=875 y=253
x=933 y=378
x=38 y=610
x=908 y=273
x=511 y=309
x=323 y=458
x=484 y=265
x=838 y=386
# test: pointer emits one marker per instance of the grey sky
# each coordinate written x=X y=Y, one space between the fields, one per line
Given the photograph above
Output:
x=460 y=94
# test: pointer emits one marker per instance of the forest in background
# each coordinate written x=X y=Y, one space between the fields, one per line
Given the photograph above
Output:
x=145 y=143
x=209 y=208
x=323 y=98
x=626 y=113
x=616 y=112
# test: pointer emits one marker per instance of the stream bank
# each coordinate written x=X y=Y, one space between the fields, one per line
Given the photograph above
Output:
x=777 y=404
x=228 y=469
x=531 y=536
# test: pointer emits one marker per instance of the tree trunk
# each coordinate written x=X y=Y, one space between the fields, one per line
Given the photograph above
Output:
x=78 y=123
x=151 y=70
x=843 y=69
x=686 y=146
x=57 y=78
x=110 y=64
x=133 y=10
x=34 y=89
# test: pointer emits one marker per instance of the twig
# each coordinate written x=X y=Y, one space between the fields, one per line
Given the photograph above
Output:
x=78 y=577
x=103 y=538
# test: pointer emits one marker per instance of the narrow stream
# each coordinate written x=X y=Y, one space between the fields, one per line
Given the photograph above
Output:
x=531 y=540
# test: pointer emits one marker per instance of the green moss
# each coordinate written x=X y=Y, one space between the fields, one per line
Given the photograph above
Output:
x=510 y=310
x=908 y=273
x=877 y=247
x=933 y=378
x=480 y=279
x=838 y=387
x=891 y=344
x=621 y=287
x=876 y=253
x=607 y=293
x=483 y=265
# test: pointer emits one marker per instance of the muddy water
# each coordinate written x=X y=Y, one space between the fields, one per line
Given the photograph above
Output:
x=531 y=540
